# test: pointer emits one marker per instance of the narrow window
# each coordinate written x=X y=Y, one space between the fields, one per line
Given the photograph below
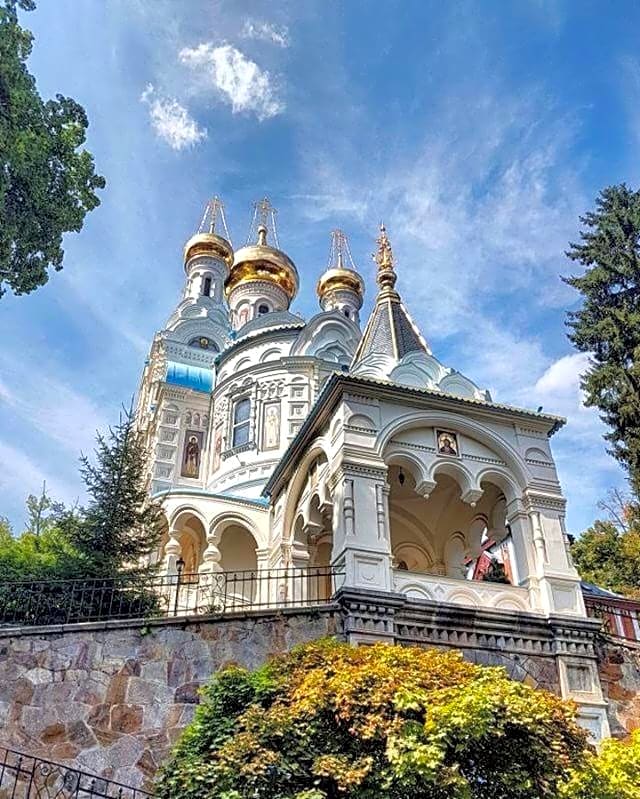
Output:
x=241 y=422
x=263 y=309
x=346 y=313
x=207 y=287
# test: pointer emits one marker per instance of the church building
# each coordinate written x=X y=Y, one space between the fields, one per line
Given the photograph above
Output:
x=343 y=445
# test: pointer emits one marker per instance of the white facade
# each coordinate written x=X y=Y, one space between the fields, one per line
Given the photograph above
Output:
x=279 y=442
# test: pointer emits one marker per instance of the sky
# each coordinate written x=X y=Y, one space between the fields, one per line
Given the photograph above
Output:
x=478 y=131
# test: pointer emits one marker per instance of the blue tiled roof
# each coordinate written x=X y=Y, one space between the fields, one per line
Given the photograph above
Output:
x=193 y=377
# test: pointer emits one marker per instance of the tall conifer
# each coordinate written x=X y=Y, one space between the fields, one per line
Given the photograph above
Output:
x=120 y=527
x=608 y=324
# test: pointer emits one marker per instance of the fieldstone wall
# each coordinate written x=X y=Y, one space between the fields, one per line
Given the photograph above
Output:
x=619 y=668
x=112 y=698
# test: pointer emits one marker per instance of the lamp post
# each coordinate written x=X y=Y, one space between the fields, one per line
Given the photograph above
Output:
x=179 y=567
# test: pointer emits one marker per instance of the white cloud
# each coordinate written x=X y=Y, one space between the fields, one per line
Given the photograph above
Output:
x=562 y=378
x=240 y=81
x=171 y=121
x=266 y=32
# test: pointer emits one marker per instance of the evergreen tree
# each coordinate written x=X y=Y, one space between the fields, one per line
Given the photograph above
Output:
x=121 y=526
x=607 y=326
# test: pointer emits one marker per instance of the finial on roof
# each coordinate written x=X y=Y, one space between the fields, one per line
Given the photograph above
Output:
x=263 y=222
x=386 y=276
x=214 y=216
x=340 y=252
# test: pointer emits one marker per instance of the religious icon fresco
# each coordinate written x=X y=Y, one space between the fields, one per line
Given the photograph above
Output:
x=271 y=426
x=447 y=443
x=217 y=447
x=192 y=453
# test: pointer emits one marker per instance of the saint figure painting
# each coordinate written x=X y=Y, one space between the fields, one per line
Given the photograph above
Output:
x=192 y=453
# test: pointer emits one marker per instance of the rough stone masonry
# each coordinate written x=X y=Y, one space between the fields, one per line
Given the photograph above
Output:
x=111 y=698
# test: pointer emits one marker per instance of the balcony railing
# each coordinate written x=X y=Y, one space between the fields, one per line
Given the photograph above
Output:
x=26 y=777
x=620 y=619
x=28 y=603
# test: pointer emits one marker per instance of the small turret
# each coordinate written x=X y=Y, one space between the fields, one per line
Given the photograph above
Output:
x=263 y=278
x=341 y=287
x=208 y=255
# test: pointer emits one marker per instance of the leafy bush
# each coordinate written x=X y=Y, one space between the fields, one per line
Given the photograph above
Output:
x=329 y=720
x=612 y=774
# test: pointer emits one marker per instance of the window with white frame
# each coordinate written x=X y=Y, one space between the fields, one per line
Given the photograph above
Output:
x=241 y=422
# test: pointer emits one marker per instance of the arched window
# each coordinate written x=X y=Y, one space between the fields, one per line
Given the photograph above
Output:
x=347 y=313
x=206 y=289
x=263 y=309
x=241 y=422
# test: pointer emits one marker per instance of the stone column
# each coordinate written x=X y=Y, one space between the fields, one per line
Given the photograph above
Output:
x=212 y=556
x=558 y=580
x=525 y=566
x=361 y=531
x=172 y=551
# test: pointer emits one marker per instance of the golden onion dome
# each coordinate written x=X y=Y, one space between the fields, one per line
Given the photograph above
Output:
x=337 y=276
x=208 y=244
x=340 y=279
x=261 y=262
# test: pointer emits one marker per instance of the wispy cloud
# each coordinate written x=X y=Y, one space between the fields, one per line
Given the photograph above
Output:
x=235 y=78
x=52 y=407
x=266 y=32
x=171 y=121
x=20 y=476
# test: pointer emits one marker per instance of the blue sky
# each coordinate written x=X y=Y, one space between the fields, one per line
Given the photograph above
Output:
x=478 y=131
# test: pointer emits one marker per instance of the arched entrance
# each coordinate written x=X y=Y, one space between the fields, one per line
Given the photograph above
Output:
x=440 y=534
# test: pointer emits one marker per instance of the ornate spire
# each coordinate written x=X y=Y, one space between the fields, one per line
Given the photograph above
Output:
x=386 y=277
x=262 y=223
x=390 y=330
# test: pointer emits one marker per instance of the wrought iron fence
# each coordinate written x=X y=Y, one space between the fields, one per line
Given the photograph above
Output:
x=69 y=601
x=26 y=777
x=618 y=620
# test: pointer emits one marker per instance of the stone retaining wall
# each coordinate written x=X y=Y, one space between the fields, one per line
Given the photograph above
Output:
x=619 y=668
x=113 y=698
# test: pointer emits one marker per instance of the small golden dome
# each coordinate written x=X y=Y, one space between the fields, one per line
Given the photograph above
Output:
x=261 y=262
x=208 y=244
x=337 y=276
x=340 y=280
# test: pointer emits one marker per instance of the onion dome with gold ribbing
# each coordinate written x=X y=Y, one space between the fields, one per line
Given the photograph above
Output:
x=339 y=276
x=207 y=242
x=262 y=262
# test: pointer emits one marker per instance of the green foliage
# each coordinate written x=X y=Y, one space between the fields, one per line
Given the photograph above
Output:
x=608 y=324
x=47 y=180
x=612 y=774
x=120 y=526
x=329 y=720
x=49 y=556
x=608 y=553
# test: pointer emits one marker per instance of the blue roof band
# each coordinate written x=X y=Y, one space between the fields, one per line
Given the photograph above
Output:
x=196 y=378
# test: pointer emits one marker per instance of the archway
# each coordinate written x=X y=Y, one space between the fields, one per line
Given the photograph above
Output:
x=239 y=562
x=189 y=530
x=440 y=534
